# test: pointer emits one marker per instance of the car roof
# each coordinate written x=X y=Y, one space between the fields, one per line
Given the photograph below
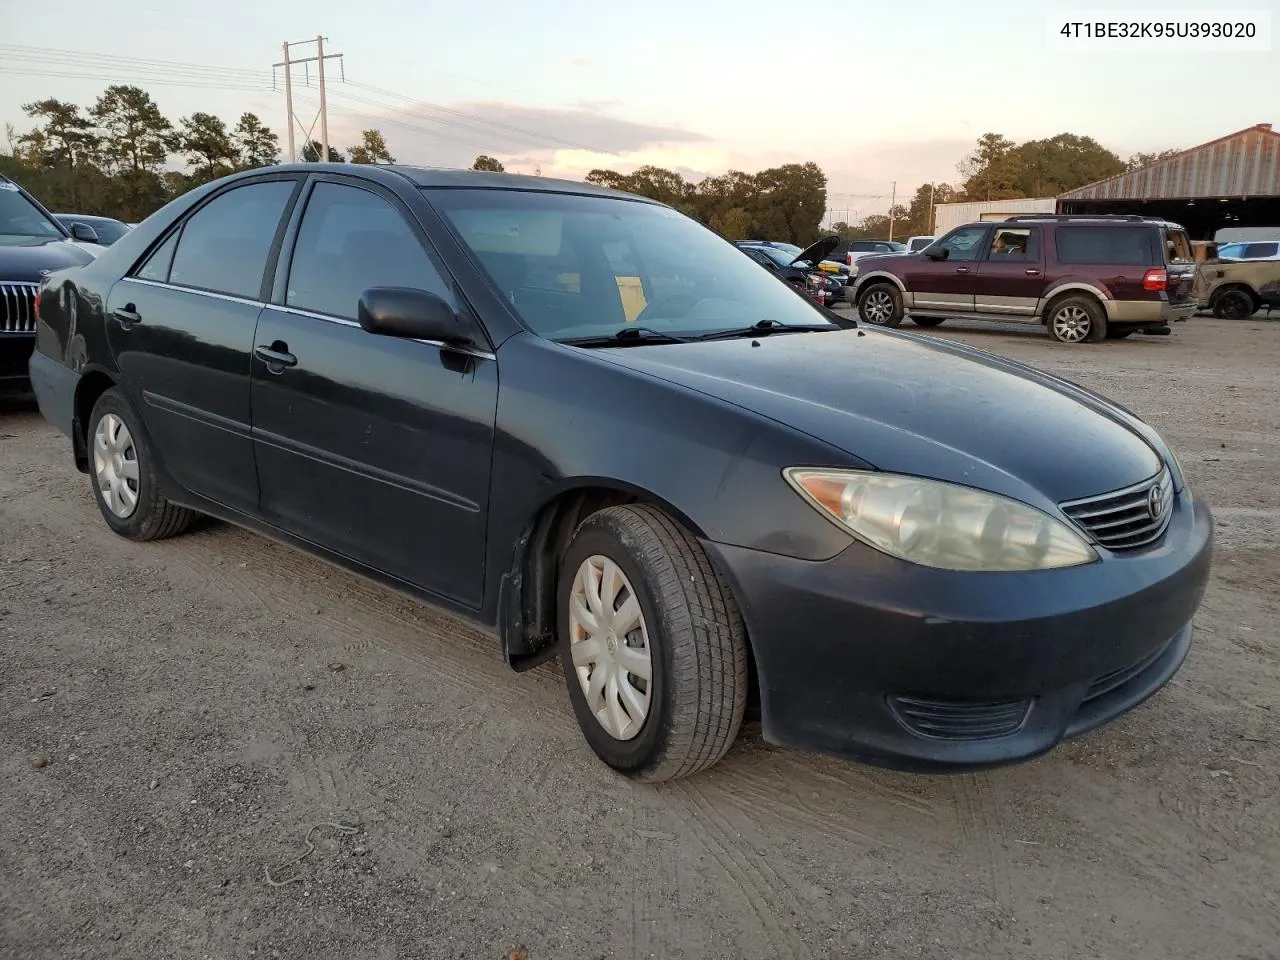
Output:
x=1101 y=219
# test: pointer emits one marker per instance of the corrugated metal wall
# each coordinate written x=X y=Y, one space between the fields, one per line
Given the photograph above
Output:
x=1244 y=164
x=948 y=216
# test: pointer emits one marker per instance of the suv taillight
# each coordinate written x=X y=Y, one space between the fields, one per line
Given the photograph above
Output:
x=1156 y=279
x=848 y=259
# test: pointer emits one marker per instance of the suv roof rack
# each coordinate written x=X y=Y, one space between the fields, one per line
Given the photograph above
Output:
x=1129 y=217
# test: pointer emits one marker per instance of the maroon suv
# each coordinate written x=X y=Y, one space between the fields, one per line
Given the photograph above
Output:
x=1085 y=278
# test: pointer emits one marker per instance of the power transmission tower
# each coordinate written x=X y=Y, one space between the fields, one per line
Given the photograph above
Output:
x=288 y=64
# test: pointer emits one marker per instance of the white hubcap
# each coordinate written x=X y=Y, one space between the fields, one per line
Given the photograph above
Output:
x=115 y=465
x=609 y=645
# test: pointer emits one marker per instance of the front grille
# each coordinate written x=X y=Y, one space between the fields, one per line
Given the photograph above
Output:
x=18 y=307
x=1118 y=678
x=1127 y=518
x=957 y=720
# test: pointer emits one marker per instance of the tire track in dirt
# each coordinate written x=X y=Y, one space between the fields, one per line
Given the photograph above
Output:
x=757 y=884
x=982 y=836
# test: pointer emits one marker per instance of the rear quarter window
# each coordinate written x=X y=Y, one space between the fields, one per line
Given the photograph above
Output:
x=1130 y=246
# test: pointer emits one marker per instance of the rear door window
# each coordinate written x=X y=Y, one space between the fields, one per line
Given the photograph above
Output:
x=225 y=245
x=1014 y=243
x=1130 y=246
x=1259 y=251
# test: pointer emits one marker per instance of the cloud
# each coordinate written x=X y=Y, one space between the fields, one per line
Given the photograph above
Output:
x=453 y=135
x=580 y=61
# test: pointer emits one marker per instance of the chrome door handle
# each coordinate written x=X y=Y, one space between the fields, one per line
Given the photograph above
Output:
x=1033 y=273
x=962 y=269
x=127 y=315
x=276 y=358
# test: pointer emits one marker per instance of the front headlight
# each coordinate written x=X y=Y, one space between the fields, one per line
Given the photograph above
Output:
x=939 y=524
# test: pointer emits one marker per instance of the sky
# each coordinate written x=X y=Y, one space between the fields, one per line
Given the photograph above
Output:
x=875 y=93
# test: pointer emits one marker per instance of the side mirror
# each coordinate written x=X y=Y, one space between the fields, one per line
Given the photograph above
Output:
x=412 y=314
x=940 y=254
x=84 y=233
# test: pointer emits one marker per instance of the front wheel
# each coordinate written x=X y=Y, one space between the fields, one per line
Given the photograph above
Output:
x=1076 y=319
x=881 y=305
x=652 y=645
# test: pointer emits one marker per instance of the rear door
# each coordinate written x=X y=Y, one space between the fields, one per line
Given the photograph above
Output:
x=947 y=285
x=375 y=447
x=1010 y=280
x=181 y=328
x=1180 y=265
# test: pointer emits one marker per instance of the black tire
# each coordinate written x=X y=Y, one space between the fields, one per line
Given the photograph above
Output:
x=928 y=322
x=1119 y=333
x=153 y=517
x=696 y=639
x=877 y=298
x=1233 y=304
x=1076 y=319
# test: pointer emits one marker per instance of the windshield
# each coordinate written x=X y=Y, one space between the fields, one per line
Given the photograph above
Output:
x=21 y=220
x=780 y=257
x=579 y=266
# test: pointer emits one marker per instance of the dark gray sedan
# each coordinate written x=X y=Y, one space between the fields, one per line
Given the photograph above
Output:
x=601 y=432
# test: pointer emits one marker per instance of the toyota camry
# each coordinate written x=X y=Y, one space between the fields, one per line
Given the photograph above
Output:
x=601 y=432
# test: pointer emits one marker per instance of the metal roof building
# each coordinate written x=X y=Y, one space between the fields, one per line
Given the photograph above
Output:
x=1233 y=181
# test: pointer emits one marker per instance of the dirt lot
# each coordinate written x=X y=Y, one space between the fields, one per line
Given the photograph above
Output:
x=201 y=704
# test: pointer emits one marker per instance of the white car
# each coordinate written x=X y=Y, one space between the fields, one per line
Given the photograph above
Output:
x=916 y=244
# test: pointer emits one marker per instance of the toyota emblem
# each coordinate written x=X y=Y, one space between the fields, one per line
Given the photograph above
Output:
x=1155 y=502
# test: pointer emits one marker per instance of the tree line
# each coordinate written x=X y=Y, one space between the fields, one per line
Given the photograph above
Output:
x=1000 y=169
x=115 y=158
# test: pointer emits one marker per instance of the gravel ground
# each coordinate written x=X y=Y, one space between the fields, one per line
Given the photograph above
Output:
x=180 y=718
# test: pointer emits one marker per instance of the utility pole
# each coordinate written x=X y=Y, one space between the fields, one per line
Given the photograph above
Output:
x=288 y=63
x=288 y=102
x=893 y=200
x=929 y=226
x=324 y=113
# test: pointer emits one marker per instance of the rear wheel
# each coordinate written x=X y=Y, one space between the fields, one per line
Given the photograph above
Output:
x=928 y=321
x=125 y=476
x=881 y=304
x=1235 y=304
x=1076 y=319
x=652 y=645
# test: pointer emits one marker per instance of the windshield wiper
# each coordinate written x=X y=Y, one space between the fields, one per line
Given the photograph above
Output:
x=627 y=336
x=763 y=328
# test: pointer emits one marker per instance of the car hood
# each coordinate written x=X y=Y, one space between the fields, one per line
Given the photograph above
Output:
x=921 y=407
x=817 y=252
x=32 y=261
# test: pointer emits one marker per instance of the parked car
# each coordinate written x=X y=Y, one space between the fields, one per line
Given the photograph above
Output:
x=916 y=244
x=858 y=249
x=1257 y=250
x=825 y=265
x=106 y=230
x=1083 y=277
x=32 y=245
x=797 y=268
x=906 y=551
x=1235 y=289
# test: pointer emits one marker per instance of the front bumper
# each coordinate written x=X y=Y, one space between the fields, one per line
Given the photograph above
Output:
x=15 y=351
x=870 y=658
